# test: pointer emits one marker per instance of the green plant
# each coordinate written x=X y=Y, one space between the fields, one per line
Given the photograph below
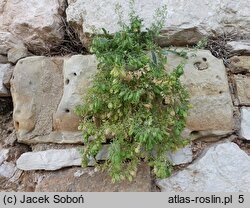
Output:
x=133 y=104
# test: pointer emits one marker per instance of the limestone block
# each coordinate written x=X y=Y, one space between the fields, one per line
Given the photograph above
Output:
x=222 y=168
x=189 y=19
x=205 y=77
x=36 y=88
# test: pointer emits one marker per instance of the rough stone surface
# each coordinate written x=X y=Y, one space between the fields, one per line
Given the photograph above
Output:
x=185 y=18
x=4 y=92
x=242 y=46
x=3 y=155
x=7 y=76
x=49 y=160
x=206 y=80
x=36 y=88
x=7 y=169
x=181 y=156
x=87 y=180
x=8 y=41
x=3 y=59
x=45 y=101
x=243 y=89
x=245 y=123
x=78 y=71
x=40 y=119
x=15 y=54
x=240 y=64
x=36 y=23
x=223 y=168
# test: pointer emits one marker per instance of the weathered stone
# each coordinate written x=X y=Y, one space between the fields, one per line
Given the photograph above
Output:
x=242 y=46
x=240 y=64
x=3 y=155
x=4 y=92
x=192 y=19
x=44 y=101
x=182 y=156
x=243 y=89
x=245 y=123
x=7 y=76
x=87 y=180
x=48 y=146
x=15 y=54
x=8 y=41
x=3 y=59
x=37 y=23
x=36 y=88
x=59 y=137
x=78 y=71
x=103 y=153
x=51 y=159
x=206 y=80
x=7 y=169
x=223 y=168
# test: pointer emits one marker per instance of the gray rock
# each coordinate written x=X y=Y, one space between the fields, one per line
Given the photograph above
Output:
x=182 y=156
x=242 y=46
x=15 y=54
x=3 y=59
x=103 y=153
x=7 y=77
x=243 y=89
x=7 y=169
x=3 y=155
x=7 y=40
x=37 y=23
x=4 y=68
x=245 y=123
x=52 y=159
x=189 y=19
x=223 y=168
x=49 y=160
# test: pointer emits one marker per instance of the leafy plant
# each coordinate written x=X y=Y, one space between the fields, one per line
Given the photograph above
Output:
x=133 y=103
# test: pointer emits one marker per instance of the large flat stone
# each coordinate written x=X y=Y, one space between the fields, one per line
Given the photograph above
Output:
x=54 y=159
x=49 y=159
x=222 y=168
x=36 y=88
x=87 y=180
x=186 y=22
x=245 y=123
x=243 y=89
x=45 y=92
x=205 y=77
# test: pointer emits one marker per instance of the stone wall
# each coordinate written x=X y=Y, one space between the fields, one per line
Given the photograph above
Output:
x=41 y=151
